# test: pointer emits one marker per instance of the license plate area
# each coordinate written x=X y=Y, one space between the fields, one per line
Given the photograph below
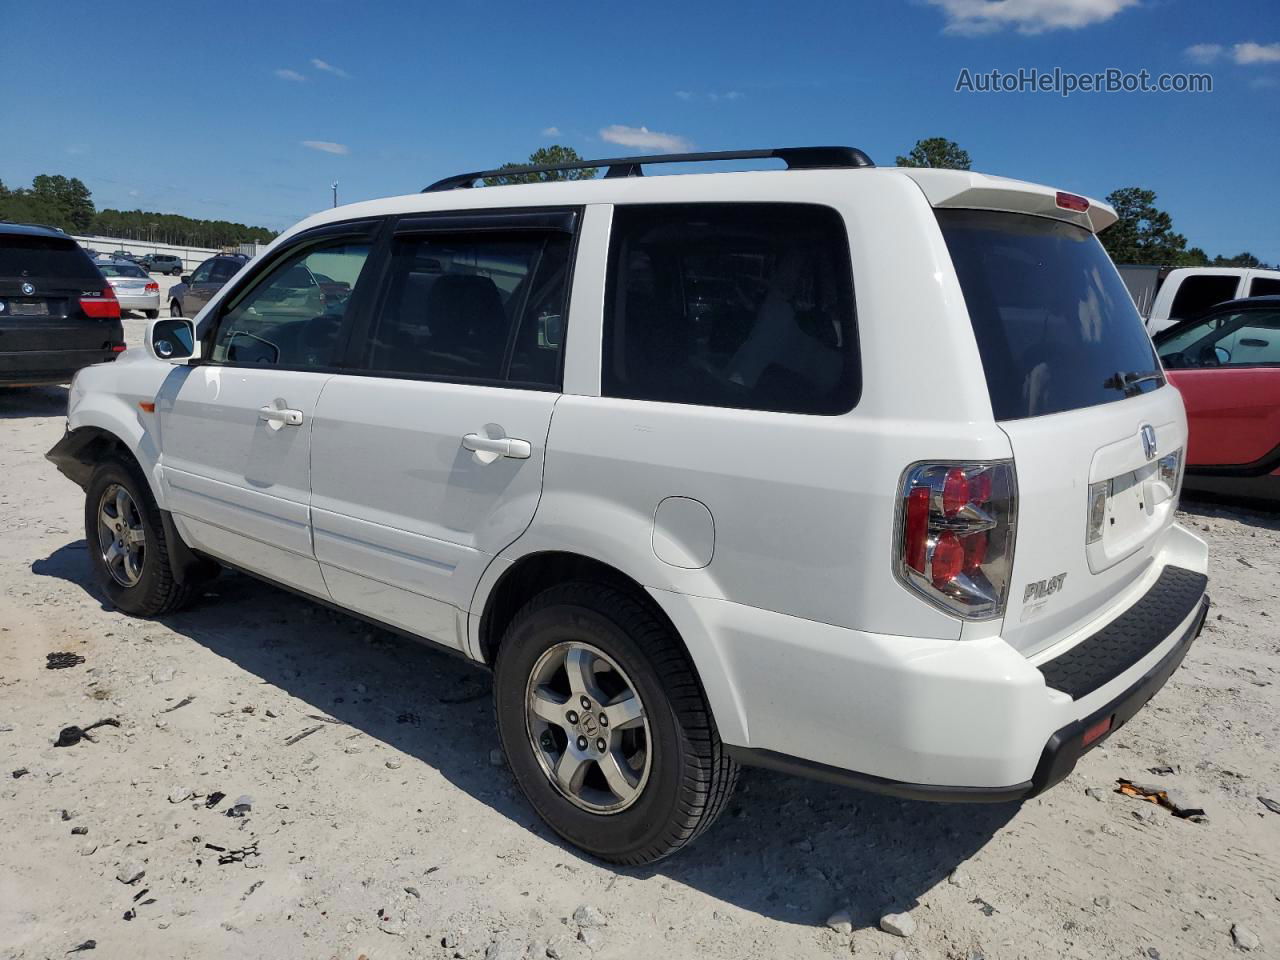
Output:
x=1135 y=512
x=27 y=308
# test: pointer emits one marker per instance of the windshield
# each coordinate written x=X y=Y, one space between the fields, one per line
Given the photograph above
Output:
x=22 y=256
x=1055 y=325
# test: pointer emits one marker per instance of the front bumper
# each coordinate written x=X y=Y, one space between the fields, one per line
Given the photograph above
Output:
x=938 y=719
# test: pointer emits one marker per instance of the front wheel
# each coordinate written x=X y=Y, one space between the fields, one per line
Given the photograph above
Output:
x=605 y=726
x=127 y=547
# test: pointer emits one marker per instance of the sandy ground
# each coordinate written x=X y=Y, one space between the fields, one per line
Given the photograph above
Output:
x=389 y=831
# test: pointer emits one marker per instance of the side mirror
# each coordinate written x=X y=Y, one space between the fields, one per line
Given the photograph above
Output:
x=186 y=278
x=172 y=339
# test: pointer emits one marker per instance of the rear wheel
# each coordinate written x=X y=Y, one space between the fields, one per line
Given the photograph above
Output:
x=175 y=272
x=175 y=309
x=152 y=314
x=127 y=547
x=605 y=726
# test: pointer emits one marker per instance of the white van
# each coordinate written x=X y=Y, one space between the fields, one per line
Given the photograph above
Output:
x=865 y=474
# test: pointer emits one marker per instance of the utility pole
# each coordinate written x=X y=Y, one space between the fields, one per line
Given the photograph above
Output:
x=335 y=193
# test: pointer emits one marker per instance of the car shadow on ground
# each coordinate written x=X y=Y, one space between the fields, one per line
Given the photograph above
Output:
x=22 y=403
x=786 y=848
x=1256 y=513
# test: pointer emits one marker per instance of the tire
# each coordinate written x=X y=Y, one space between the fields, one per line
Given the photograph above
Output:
x=687 y=777
x=152 y=314
x=175 y=308
x=155 y=591
x=175 y=272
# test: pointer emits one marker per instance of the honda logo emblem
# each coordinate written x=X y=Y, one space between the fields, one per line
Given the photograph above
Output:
x=1148 y=433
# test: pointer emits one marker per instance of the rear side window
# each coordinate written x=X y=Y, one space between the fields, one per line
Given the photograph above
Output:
x=474 y=307
x=746 y=305
x=1197 y=294
x=1264 y=287
x=1055 y=326
x=22 y=256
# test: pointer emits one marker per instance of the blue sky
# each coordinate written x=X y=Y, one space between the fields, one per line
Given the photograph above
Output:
x=248 y=111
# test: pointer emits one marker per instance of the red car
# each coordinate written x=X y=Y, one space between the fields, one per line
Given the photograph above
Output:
x=1226 y=364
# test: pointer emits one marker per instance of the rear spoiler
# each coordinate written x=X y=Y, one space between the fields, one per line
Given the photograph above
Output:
x=980 y=191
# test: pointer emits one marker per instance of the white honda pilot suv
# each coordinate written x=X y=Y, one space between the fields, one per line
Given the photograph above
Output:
x=862 y=474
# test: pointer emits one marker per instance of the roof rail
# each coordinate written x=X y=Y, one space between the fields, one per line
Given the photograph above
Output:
x=796 y=158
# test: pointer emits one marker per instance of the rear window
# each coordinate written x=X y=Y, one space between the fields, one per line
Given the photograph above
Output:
x=22 y=256
x=1055 y=326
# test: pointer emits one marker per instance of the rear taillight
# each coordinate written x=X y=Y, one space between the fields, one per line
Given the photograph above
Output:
x=101 y=306
x=956 y=533
x=152 y=287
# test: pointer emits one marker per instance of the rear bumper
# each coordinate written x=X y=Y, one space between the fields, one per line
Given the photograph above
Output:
x=36 y=367
x=46 y=355
x=953 y=720
x=148 y=301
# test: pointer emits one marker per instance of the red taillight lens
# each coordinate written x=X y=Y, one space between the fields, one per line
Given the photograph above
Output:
x=948 y=559
x=1096 y=732
x=102 y=306
x=955 y=492
x=152 y=287
x=916 y=530
x=1070 y=201
x=957 y=534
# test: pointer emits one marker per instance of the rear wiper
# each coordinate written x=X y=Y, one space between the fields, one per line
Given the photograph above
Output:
x=1128 y=381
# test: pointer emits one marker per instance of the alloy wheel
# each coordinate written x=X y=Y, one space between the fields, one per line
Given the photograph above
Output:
x=121 y=536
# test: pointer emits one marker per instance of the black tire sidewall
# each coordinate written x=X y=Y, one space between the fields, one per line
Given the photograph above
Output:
x=141 y=596
x=617 y=836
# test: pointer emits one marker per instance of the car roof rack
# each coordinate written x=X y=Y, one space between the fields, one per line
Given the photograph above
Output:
x=796 y=158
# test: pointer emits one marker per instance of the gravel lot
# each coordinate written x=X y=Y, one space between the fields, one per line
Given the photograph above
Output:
x=388 y=831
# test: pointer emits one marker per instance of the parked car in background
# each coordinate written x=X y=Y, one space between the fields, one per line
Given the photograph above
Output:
x=1166 y=296
x=762 y=532
x=57 y=312
x=134 y=287
x=187 y=298
x=161 y=263
x=1227 y=366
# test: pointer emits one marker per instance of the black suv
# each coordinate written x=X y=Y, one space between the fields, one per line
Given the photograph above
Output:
x=57 y=311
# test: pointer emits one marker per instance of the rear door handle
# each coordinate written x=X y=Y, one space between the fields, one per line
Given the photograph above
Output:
x=503 y=446
x=283 y=417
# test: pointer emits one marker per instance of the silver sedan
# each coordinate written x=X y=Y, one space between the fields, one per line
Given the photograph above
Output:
x=133 y=287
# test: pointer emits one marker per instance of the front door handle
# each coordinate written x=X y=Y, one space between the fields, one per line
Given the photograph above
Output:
x=503 y=446
x=280 y=417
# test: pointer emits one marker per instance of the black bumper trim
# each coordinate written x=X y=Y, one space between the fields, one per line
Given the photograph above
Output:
x=1058 y=759
x=1066 y=746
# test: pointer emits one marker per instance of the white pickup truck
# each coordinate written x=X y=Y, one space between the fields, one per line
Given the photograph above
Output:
x=1165 y=298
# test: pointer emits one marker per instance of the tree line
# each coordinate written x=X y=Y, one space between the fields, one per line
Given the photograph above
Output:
x=66 y=203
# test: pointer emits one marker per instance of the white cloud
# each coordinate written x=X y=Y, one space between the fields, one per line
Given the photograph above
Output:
x=293 y=75
x=642 y=138
x=1026 y=16
x=1245 y=53
x=730 y=95
x=326 y=146
x=328 y=67
x=1204 y=52
x=551 y=131
x=684 y=94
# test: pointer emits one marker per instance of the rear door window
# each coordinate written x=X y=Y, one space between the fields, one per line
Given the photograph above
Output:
x=1198 y=293
x=32 y=256
x=487 y=306
x=1055 y=325
x=743 y=305
x=1264 y=287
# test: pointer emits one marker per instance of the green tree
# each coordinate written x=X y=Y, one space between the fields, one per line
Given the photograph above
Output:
x=936 y=152
x=1245 y=259
x=544 y=156
x=1143 y=233
x=1194 y=257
